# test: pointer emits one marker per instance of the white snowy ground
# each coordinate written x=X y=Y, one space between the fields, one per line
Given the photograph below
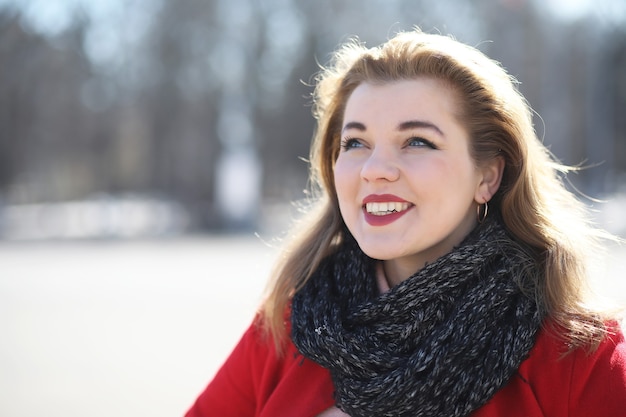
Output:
x=135 y=328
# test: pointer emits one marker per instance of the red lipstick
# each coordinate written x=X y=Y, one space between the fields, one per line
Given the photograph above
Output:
x=383 y=198
x=385 y=219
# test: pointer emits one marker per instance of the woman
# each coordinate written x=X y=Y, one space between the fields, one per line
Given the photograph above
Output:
x=443 y=271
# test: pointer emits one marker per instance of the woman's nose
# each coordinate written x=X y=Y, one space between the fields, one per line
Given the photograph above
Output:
x=380 y=166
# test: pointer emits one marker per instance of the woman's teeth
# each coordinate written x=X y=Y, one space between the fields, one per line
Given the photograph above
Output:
x=382 y=209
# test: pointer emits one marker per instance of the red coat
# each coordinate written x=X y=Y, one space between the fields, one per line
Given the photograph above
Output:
x=255 y=382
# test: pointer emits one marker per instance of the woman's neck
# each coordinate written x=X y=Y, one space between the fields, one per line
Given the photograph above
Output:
x=396 y=271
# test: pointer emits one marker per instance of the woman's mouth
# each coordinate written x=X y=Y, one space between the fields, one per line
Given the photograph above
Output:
x=381 y=210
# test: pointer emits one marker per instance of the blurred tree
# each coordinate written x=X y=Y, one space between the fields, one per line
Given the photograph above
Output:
x=616 y=69
x=12 y=123
x=44 y=137
x=180 y=107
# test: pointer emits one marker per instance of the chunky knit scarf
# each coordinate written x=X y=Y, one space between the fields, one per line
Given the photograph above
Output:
x=441 y=343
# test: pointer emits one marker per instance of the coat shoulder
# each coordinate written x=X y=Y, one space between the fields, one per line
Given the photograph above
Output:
x=553 y=382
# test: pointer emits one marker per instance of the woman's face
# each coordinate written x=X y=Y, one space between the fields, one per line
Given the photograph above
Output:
x=406 y=185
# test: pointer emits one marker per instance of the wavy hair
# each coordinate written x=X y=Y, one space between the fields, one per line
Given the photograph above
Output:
x=532 y=200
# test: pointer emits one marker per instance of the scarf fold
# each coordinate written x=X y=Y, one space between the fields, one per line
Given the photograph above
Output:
x=440 y=343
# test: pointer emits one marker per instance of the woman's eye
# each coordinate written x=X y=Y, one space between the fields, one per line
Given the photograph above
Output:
x=350 y=143
x=420 y=143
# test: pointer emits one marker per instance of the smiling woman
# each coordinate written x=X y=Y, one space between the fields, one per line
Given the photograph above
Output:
x=443 y=271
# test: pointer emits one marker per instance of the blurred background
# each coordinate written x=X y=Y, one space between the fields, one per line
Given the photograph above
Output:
x=153 y=117
x=150 y=149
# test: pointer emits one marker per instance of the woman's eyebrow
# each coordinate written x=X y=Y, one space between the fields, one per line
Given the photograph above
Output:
x=354 y=125
x=408 y=125
x=419 y=124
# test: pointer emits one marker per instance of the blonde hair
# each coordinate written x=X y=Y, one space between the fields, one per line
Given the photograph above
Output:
x=534 y=204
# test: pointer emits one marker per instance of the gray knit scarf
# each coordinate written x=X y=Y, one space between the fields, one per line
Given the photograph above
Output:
x=441 y=343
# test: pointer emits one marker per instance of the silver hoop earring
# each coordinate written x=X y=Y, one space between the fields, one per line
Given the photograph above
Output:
x=481 y=216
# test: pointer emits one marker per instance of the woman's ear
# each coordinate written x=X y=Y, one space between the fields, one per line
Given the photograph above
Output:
x=491 y=178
